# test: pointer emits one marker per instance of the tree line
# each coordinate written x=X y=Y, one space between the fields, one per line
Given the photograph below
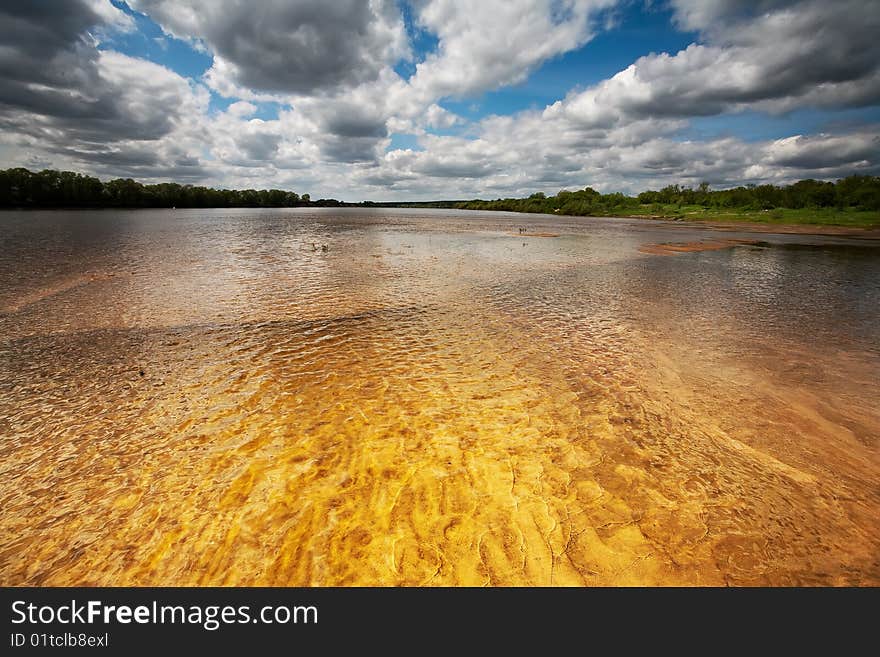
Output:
x=23 y=188
x=853 y=192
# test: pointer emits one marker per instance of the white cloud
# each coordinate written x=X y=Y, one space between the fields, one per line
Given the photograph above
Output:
x=282 y=47
x=66 y=104
x=818 y=54
x=110 y=16
x=484 y=44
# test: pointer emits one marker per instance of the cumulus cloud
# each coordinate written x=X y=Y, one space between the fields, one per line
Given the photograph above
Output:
x=819 y=152
x=333 y=61
x=484 y=44
x=64 y=100
x=283 y=47
x=520 y=166
x=702 y=15
x=817 y=53
x=258 y=146
x=68 y=100
x=50 y=69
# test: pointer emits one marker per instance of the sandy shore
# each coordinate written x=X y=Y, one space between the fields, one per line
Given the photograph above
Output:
x=779 y=229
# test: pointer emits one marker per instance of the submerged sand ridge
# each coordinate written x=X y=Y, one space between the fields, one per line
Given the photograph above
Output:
x=421 y=418
x=673 y=248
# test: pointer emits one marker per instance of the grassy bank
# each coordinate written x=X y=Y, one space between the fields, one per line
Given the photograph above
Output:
x=798 y=216
x=851 y=202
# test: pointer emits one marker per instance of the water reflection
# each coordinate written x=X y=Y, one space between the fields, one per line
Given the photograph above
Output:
x=204 y=397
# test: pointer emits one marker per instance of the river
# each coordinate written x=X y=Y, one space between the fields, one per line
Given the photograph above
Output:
x=433 y=397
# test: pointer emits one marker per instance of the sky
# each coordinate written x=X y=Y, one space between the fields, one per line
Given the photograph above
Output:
x=442 y=99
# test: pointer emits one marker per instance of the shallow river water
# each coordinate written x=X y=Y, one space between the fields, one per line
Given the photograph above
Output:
x=415 y=397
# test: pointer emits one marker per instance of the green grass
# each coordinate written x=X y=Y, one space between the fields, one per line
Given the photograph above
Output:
x=802 y=216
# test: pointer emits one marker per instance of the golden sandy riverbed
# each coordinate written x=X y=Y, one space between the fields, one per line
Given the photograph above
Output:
x=428 y=402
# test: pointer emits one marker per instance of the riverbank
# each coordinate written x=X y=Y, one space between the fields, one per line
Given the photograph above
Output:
x=802 y=221
x=786 y=219
x=867 y=232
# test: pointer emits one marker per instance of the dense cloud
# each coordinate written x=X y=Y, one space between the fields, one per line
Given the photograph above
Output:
x=60 y=94
x=826 y=151
x=258 y=146
x=50 y=70
x=277 y=46
x=818 y=53
x=69 y=100
x=352 y=120
x=702 y=15
x=333 y=60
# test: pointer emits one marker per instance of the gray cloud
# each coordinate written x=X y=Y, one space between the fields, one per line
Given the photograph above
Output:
x=68 y=104
x=38 y=31
x=116 y=158
x=52 y=77
x=278 y=46
x=259 y=146
x=349 y=132
x=349 y=149
x=817 y=53
x=89 y=108
x=385 y=179
x=132 y=160
x=453 y=169
x=47 y=62
x=352 y=125
x=703 y=15
x=826 y=151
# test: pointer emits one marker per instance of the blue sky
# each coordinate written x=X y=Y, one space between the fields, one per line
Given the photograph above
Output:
x=442 y=98
x=637 y=30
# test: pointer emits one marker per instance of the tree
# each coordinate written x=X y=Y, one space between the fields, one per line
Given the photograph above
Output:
x=22 y=188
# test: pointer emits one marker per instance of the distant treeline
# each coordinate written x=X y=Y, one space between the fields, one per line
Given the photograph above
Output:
x=45 y=189
x=22 y=188
x=856 y=192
